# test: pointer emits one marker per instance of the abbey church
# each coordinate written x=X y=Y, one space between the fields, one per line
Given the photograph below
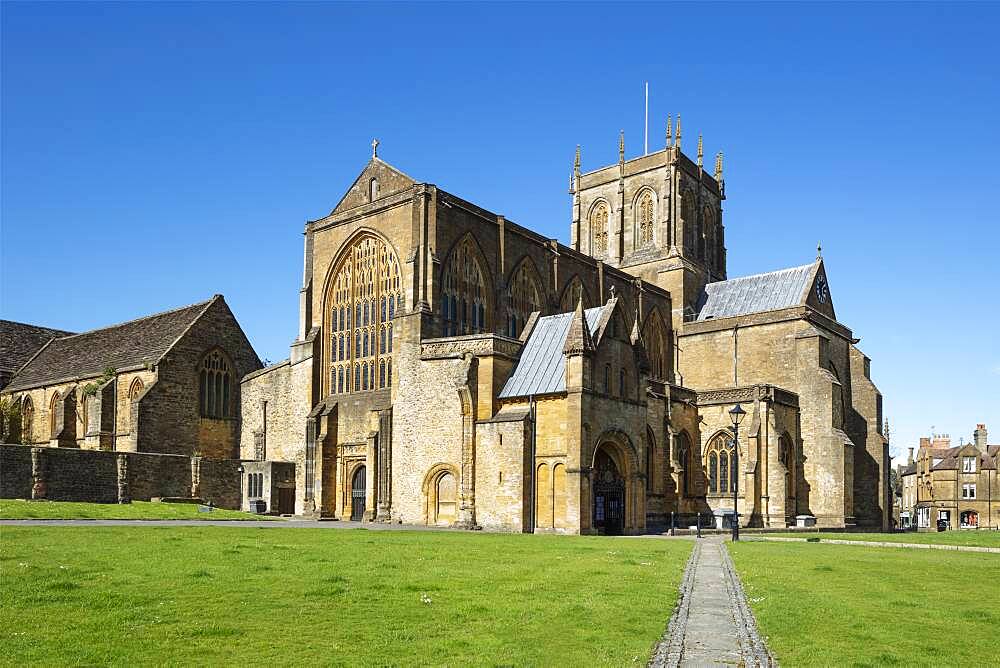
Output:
x=455 y=368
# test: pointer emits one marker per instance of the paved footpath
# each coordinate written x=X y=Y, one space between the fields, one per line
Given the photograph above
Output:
x=713 y=625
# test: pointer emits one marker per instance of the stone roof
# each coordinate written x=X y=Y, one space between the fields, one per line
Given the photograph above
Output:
x=127 y=345
x=909 y=469
x=20 y=341
x=761 y=292
x=542 y=367
x=950 y=458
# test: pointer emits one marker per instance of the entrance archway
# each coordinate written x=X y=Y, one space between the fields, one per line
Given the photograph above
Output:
x=358 y=483
x=609 y=494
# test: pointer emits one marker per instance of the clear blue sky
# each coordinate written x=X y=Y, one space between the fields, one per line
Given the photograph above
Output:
x=154 y=154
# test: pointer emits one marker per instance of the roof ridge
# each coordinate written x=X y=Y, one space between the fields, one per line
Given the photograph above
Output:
x=766 y=273
x=147 y=317
x=29 y=324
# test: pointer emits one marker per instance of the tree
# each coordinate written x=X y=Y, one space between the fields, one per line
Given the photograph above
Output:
x=10 y=420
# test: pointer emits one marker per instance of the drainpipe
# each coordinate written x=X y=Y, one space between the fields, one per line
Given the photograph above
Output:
x=532 y=410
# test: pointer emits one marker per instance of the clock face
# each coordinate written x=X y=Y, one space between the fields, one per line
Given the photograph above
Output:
x=821 y=291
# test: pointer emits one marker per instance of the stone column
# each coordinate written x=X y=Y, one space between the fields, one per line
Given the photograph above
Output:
x=384 y=461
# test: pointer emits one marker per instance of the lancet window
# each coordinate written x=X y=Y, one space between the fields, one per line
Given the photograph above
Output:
x=657 y=347
x=523 y=298
x=644 y=218
x=599 y=228
x=464 y=305
x=366 y=294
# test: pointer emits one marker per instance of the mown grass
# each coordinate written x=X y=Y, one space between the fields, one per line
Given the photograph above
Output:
x=978 y=538
x=19 y=509
x=826 y=605
x=252 y=596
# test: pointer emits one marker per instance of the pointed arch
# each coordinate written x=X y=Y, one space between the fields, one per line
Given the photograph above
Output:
x=689 y=218
x=525 y=295
x=571 y=294
x=655 y=336
x=721 y=463
x=685 y=457
x=650 y=460
x=363 y=294
x=215 y=385
x=466 y=303
x=599 y=219
x=27 y=419
x=708 y=254
x=53 y=413
x=644 y=209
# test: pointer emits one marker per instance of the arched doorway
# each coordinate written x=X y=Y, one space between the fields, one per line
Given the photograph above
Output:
x=609 y=494
x=445 y=496
x=358 y=494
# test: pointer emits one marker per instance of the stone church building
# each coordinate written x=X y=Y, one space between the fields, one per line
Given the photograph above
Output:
x=454 y=368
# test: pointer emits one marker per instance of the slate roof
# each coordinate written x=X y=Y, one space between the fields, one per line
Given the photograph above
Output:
x=909 y=469
x=950 y=458
x=761 y=292
x=130 y=344
x=542 y=367
x=19 y=341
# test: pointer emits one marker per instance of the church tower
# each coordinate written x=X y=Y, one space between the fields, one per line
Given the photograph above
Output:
x=657 y=216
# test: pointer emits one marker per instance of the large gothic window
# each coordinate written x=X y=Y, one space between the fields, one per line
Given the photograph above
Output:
x=464 y=303
x=599 y=229
x=657 y=347
x=215 y=379
x=365 y=295
x=523 y=298
x=644 y=220
x=720 y=462
x=571 y=295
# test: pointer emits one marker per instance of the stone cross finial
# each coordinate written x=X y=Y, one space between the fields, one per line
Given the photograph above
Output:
x=819 y=252
x=375 y=144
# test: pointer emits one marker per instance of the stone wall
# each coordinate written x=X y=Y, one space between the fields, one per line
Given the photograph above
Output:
x=71 y=474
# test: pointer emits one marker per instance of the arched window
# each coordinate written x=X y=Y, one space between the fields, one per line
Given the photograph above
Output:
x=720 y=455
x=364 y=296
x=28 y=419
x=623 y=383
x=53 y=412
x=215 y=379
x=464 y=302
x=373 y=190
x=446 y=496
x=599 y=229
x=524 y=296
x=657 y=350
x=650 y=460
x=644 y=220
x=689 y=219
x=571 y=295
x=135 y=389
x=709 y=255
x=607 y=379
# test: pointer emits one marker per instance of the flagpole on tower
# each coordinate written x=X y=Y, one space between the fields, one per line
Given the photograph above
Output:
x=645 y=132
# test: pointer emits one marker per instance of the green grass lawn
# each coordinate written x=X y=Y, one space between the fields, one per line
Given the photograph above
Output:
x=827 y=605
x=979 y=538
x=19 y=509
x=244 y=596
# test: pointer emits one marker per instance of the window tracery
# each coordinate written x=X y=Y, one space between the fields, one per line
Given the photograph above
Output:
x=645 y=220
x=464 y=307
x=657 y=350
x=523 y=298
x=599 y=228
x=215 y=377
x=571 y=295
x=721 y=462
x=365 y=296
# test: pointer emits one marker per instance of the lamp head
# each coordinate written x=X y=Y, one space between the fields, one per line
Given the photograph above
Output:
x=736 y=414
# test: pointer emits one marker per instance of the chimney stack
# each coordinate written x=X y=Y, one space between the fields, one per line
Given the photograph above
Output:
x=909 y=459
x=979 y=436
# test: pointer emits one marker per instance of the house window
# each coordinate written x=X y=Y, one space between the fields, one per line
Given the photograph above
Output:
x=364 y=296
x=215 y=377
x=970 y=519
x=969 y=491
x=968 y=464
x=464 y=294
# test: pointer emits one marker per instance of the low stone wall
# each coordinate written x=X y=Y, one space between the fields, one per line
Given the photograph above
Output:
x=70 y=474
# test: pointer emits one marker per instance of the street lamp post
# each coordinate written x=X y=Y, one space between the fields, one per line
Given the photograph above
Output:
x=736 y=414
